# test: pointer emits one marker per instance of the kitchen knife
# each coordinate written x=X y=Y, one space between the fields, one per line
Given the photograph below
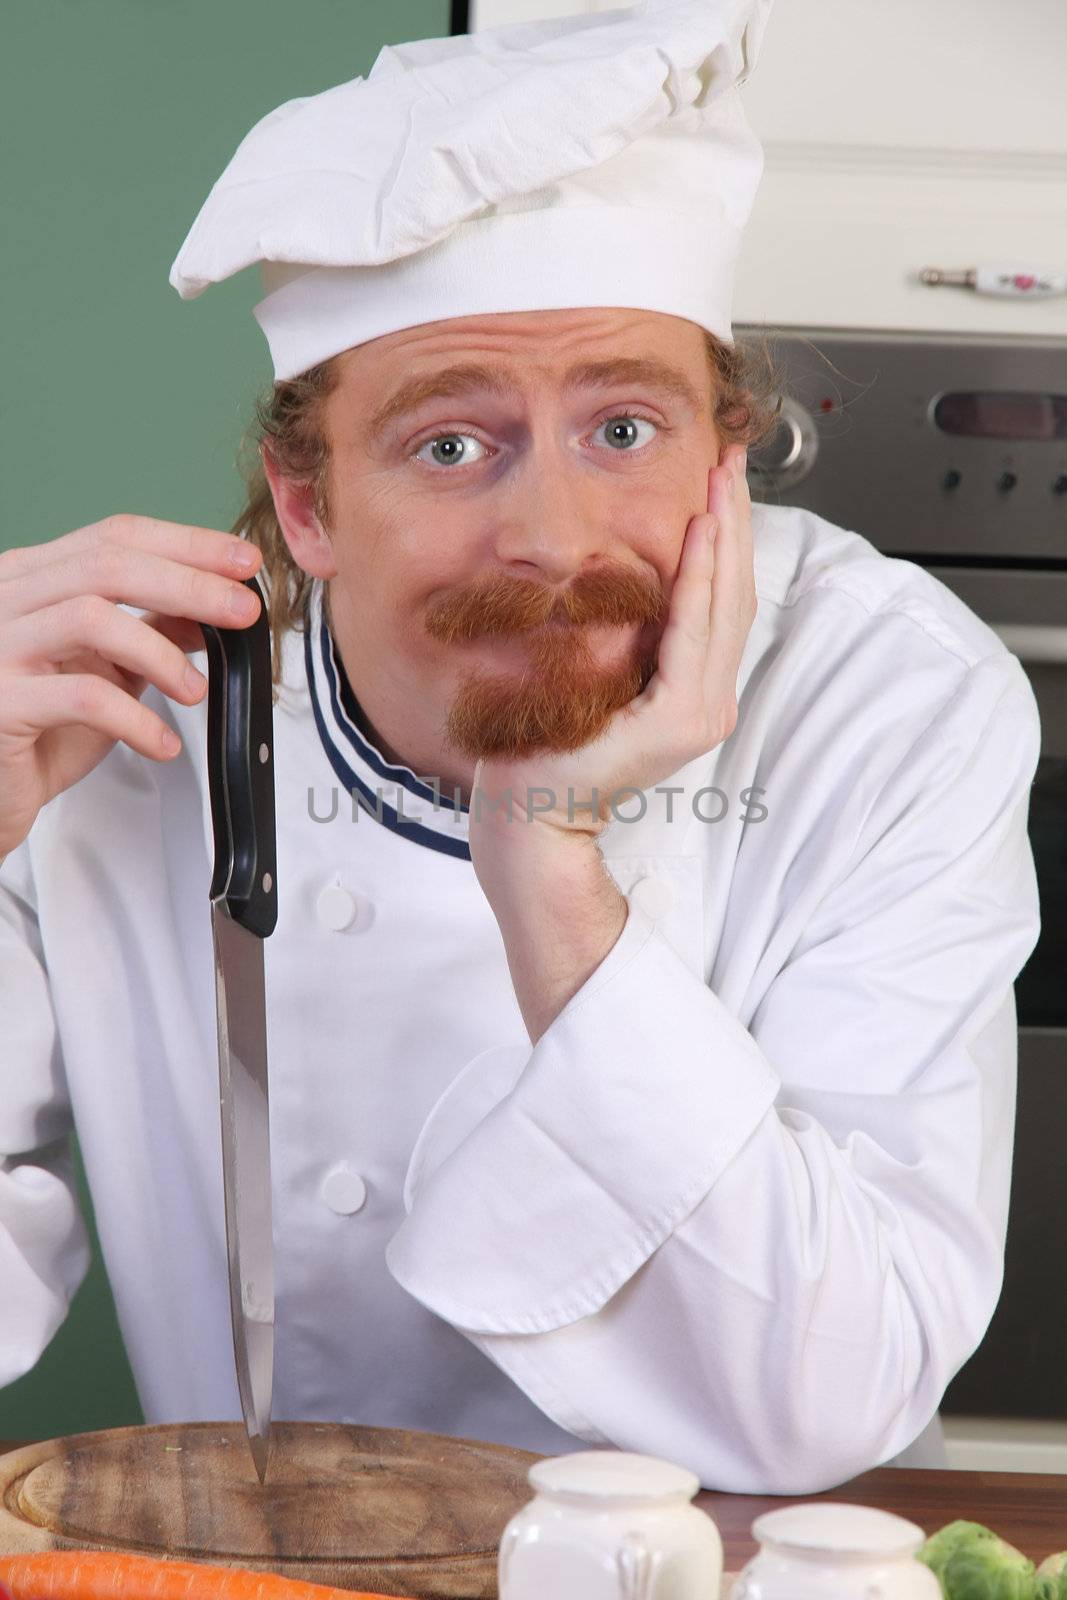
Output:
x=244 y=910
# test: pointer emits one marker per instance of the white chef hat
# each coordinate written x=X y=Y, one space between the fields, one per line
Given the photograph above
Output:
x=593 y=160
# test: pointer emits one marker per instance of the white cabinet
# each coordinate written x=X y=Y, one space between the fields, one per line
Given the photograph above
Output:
x=897 y=136
x=957 y=75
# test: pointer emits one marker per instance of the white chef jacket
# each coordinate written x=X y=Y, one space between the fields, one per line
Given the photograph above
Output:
x=742 y=1206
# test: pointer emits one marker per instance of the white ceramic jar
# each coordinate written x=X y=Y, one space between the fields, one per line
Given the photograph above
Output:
x=610 y=1525
x=830 y=1551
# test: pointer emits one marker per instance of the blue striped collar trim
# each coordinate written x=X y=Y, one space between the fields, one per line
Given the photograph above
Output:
x=417 y=808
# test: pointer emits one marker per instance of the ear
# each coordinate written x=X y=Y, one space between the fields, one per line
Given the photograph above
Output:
x=308 y=542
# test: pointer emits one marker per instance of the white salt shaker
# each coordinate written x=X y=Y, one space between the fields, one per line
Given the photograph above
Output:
x=830 y=1551
x=610 y=1525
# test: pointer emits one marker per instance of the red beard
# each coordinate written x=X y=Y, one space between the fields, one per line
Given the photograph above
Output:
x=560 y=698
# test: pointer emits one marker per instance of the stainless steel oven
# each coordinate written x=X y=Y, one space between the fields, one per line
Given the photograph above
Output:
x=951 y=451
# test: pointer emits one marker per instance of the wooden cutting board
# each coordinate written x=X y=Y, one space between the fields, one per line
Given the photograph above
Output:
x=381 y=1509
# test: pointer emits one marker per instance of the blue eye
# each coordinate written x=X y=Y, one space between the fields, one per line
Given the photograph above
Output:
x=623 y=427
x=449 y=449
x=457 y=447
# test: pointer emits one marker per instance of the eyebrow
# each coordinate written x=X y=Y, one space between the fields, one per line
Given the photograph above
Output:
x=468 y=378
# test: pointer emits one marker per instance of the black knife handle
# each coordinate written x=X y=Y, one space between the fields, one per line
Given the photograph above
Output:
x=240 y=767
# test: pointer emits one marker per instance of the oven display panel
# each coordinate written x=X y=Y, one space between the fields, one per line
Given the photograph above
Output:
x=1002 y=414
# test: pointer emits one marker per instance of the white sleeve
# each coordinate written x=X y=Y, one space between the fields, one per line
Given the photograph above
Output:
x=763 y=1252
x=44 y=1247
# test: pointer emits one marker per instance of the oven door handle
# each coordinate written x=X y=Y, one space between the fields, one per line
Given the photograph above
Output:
x=1033 y=641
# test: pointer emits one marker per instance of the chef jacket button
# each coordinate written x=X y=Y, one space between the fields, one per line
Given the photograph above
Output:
x=337 y=907
x=343 y=1190
x=654 y=896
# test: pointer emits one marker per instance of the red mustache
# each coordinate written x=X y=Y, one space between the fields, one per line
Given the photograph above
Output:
x=504 y=605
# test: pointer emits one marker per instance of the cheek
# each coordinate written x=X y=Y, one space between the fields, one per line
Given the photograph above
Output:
x=654 y=534
x=388 y=543
x=684 y=497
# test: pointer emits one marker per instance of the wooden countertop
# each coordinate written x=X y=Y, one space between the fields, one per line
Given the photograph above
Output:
x=1029 y=1509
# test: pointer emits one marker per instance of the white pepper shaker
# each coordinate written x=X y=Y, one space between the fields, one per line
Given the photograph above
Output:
x=610 y=1525
x=827 y=1550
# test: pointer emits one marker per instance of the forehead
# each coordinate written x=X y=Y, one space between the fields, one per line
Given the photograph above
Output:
x=507 y=353
x=542 y=339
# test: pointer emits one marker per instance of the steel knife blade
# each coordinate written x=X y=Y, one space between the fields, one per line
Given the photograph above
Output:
x=244 y=911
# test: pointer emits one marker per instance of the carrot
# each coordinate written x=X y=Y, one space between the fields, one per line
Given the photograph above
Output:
x=117 y=1575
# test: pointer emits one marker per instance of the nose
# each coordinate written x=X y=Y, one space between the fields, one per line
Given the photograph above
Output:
x=556 y=519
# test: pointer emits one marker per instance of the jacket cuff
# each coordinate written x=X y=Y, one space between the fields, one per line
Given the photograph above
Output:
x=542 y=1181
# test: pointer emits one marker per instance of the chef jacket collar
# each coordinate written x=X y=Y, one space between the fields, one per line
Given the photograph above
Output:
x=420 y=809
x=430 y=813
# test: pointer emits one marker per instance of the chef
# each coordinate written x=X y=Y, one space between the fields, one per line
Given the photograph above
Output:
x=653 y=868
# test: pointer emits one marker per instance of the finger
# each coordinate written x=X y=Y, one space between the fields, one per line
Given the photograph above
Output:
x=733 y=600
x=128 y=575
x=55 y=700
x=187 y=542
x=77 y=630
x=186 y=634
x=684 y=644
x=744 y=507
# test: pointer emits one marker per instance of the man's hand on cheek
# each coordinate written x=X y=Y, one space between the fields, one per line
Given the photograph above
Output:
x=688 y=707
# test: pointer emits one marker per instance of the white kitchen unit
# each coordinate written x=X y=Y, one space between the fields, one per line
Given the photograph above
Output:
x=896 y=137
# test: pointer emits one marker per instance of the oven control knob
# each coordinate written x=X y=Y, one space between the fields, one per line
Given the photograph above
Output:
x=788 y=454
x=1006 y=481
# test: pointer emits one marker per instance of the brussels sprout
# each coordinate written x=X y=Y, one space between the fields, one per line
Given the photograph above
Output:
x=974 y=1563
x=1051 y=1580
x=979 y=1575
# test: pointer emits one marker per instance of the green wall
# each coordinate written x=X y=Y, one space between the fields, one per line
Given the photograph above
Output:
x=116 y=117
